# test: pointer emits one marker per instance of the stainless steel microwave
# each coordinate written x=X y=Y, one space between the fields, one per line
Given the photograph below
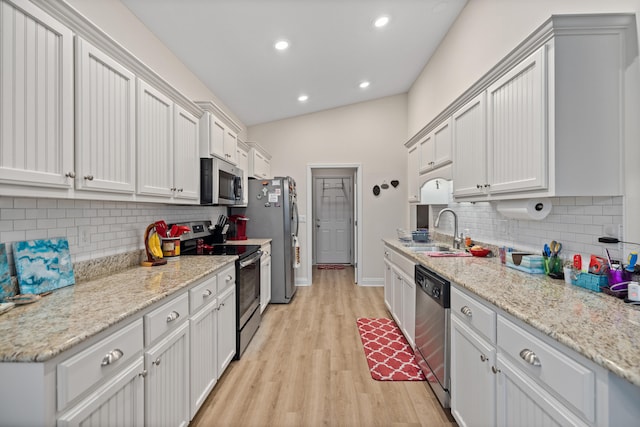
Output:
x=220 y=182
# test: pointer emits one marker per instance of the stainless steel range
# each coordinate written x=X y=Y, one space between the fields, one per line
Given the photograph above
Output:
x=200 y=241
x=433 y=341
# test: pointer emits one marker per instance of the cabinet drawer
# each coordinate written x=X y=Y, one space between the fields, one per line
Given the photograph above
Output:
x=551 y=368
x=78 y=373
x=165 y=318
x=226 y=278
x=203 y=293
x=408 y=266
x=474 y=314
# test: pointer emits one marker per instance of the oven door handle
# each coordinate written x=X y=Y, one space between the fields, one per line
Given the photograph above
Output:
x=251 y=259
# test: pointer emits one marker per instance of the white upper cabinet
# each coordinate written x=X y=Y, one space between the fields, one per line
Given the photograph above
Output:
x=435 y=148
x=259 y=161
x=413 y=164
x=242 y=151
x=516 y=134
x=185 y=155
x=155 y=142
x=218 y=134
x=470 y=151
x=36 y=107
x=105 y=122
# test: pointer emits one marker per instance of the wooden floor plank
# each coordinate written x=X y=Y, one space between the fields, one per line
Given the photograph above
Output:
x=306 y=367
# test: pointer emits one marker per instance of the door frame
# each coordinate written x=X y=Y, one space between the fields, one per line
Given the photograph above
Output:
x=351 y=203
x=357 y=215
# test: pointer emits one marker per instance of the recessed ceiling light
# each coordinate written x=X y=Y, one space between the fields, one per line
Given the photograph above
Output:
x=381 y=21
x=281 y=45
x=303 y=98
x=364 y=84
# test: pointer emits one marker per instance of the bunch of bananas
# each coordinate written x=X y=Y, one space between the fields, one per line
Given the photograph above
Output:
x=154 y=245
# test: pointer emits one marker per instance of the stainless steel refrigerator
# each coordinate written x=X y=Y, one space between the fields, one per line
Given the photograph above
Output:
x=273 y=213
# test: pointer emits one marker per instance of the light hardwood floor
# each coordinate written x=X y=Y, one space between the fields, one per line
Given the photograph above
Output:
x=306 y=367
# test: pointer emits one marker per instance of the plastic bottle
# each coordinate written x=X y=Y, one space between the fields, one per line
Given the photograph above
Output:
x=467 y=238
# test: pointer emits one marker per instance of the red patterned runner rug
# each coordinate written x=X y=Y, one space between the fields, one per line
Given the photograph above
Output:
x=389 y=355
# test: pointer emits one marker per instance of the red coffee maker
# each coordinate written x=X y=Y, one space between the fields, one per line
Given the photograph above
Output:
x=240 y=227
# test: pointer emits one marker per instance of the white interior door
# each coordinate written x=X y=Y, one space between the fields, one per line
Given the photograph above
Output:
x=333 y=220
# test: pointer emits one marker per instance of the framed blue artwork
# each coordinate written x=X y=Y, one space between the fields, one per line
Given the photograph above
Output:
x=43 y=265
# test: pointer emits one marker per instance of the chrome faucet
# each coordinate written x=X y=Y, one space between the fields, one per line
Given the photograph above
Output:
x=457 y=240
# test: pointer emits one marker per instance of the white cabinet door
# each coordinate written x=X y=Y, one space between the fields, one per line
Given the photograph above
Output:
x=473 y=384
x=469 y=148
x=185 y=155
x=243 y=163
x=516 y=134
x=409 y=309
x=397 y=280
x=435 y=148
x=521 y=400
x=105 y=122
x=265 y=277
x=413 y=165
x=36 y=106
x=203 y=331
x=167 y=381
x=120 y=400
x=155 y=141
x=230 y=144
x=226 y=328
x=388 y=285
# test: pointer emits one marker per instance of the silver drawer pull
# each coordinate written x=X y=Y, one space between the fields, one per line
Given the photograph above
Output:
x=483 y=358
x=172 y=316
x=112 y=357
x=530 y=357
x=156 y=362
x=207 y=293
x=495 y=370
x=466 y=311
x=229 y=278
x=143 y=374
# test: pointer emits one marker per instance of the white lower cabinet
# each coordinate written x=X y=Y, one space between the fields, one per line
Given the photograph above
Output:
x=265 y=277
x=503 y=375
x=203 y=354
x=473 y=386
x=226 y=329
x=167 y=381
x=120 y=401
x=400 y=291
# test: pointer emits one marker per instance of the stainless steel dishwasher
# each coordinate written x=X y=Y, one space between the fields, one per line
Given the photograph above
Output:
x=433 y=340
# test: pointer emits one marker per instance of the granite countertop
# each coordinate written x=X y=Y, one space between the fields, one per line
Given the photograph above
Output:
x=600 y=327
x=37 y=332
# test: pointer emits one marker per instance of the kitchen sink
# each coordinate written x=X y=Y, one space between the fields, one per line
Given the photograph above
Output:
x=428 y=248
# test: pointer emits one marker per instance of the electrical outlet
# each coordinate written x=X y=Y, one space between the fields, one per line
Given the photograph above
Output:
x=84 y=236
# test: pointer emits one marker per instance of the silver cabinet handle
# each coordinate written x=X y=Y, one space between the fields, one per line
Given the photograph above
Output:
x=172 y=316
x=71 y=174
x=143 y=374
x=466 y=311
x=229 y=278
x=180 y=190
x=89 y=177
x=530 y=357
x=112 y=357
x=495 y=370
x=206 y=293
x=156 y=362
x=483 y=358
x=173 y=189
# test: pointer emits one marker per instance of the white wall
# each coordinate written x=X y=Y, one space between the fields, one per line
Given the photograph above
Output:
x=370 y=134
x=483 y=34
x=115 y=19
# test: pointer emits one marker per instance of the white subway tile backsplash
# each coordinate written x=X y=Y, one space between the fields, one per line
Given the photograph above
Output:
x=47 y=203
x=577 y=222
x=25 y=203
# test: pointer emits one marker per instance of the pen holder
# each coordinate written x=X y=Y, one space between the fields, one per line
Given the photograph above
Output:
x=552 y=265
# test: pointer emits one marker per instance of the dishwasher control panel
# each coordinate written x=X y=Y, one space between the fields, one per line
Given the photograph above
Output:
x=433 y=285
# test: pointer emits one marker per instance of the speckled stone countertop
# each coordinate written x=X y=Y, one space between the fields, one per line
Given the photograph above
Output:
x=600 y=327
x=37 y=332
